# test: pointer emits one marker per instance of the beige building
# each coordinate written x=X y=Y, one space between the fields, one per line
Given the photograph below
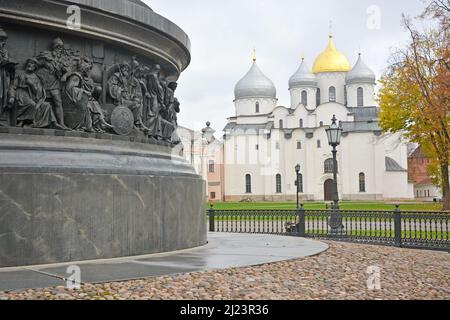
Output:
x=205 y=153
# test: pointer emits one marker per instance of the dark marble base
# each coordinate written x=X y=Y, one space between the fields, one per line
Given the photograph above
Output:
x=71 y=199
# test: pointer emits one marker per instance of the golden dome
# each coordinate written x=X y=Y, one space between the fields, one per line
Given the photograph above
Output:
x=331 y=60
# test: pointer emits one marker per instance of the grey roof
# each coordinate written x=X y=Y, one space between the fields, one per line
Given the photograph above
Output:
x=303 y=77
x=361 y=126
x=255 y=85
x=393 y=166
x=365 y=113
x=361 y=73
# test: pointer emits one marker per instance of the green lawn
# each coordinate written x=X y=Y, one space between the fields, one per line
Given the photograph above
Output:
x=321 y=206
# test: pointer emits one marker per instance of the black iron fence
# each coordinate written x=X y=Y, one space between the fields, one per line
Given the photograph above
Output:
x=411 y=229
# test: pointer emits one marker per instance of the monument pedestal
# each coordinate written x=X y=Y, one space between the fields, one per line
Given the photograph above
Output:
x=71 y=198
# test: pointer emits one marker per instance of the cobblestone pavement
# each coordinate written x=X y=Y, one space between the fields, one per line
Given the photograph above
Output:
x=339 y=273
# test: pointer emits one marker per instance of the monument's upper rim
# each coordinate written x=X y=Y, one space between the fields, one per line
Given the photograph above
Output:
x=141 y=3
x=141 y=12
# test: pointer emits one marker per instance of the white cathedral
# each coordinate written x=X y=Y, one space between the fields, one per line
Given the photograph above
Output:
x=264 y=142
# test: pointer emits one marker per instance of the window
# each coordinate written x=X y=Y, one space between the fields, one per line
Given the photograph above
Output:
x=319 y=144
x=318 y=97
x=321 y=123
x=345 y=96
x=213 y=195
x=278 y=183
x=332 y=94
x=304 y=98
x=362 y=182
x=299 y=145
x=277 y=145
x=300 y=123
x=211 y=166
x=248 y=183
x=360 y=93
x=257 y=147
x=281 y=124
x=257 y=107
x=300 y=184
x=329 y=165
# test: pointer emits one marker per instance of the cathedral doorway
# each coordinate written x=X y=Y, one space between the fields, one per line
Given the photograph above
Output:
x=328 y=190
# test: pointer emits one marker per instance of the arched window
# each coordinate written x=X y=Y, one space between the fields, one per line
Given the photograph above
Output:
x=304 y=98
x=360 y=99
x=278 y=183
x=257 y=107
x=362 y=182
x=248 y=183
x=319 y=144
x=329 y=165
x=299 y=145
x=300 y=124
x=281 y=124
x=345 y=96
x=300 y=183
x=332 y=94
x=318 y=97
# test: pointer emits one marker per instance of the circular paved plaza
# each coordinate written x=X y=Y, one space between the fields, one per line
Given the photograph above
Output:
x=338 y=273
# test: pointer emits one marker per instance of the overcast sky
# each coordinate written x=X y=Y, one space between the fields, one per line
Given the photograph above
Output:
x=224 y=33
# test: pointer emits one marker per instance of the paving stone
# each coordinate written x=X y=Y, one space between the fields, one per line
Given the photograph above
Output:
x=340 y=273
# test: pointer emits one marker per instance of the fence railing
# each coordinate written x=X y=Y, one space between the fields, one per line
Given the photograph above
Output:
x=413 y=229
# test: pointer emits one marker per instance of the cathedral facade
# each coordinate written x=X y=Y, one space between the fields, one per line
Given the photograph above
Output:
x=264 y=142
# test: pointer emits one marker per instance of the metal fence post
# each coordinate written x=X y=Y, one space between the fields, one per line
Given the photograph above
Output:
x=398 y=226
x=301 y=222
x=211 y=219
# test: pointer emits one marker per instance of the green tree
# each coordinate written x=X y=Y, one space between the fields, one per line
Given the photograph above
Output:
x=415 y=91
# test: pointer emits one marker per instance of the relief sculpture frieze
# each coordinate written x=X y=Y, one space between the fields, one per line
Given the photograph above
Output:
x=55 y=90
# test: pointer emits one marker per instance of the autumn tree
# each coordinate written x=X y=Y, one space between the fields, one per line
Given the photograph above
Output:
x=415 y=90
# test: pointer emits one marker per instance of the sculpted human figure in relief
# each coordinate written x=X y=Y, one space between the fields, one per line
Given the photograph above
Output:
x=6 y=73
x=169 y=112
x=155 y=102
x=80 y=88
x=27 y=95
x=126 y=91
x=54 y=66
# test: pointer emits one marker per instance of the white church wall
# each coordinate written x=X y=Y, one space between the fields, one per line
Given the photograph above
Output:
x=296 y=97
x=396 y=149
x=360 y=156
x=281 y=113
x=326 y=111
x=369 y=95
x=329 y=79
x=245 y=107
x=396 y=186
x=261 y=119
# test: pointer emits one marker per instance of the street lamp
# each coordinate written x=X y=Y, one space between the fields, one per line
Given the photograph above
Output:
x=297 y=170
x=334 y=134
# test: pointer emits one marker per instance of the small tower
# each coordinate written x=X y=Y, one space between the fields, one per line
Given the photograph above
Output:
x=361 y=85
x=330 y=68
x=255 y=93
x=303 y=87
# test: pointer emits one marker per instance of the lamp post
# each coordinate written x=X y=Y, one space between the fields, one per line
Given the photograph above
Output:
x=297 y=170
x=334 y=134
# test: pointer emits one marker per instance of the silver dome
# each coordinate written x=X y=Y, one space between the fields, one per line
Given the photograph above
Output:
x=303 y=77
x=361 y=73
x=255 y=85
